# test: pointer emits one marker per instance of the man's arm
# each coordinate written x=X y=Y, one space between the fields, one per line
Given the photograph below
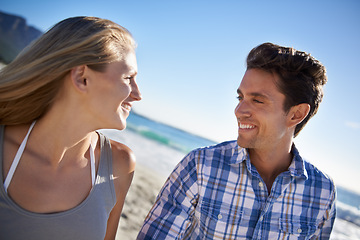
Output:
x=172 y=214
x=330 y=216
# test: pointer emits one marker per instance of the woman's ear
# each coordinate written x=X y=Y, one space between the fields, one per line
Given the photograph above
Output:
x=298 y=113
x=78 y=78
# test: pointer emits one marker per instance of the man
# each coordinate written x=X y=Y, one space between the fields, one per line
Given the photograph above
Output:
x=258 y=187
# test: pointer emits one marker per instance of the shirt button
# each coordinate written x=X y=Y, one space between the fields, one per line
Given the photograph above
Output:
x=261 y=218
x=299 y=230
x=261 y=184
x=219 y=216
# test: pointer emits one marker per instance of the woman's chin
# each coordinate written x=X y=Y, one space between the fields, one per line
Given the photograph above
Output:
x=121 y=126
x=118 y=126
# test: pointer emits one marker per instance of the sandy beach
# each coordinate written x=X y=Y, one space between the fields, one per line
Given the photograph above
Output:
x=151 y=173
x=141 y=196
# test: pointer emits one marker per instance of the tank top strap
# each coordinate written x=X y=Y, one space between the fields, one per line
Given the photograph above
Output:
x=20 y=151
x=92 y=164
x=17 y=158
x=106 y=156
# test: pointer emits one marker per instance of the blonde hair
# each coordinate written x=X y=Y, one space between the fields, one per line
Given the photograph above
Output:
x=29 y=84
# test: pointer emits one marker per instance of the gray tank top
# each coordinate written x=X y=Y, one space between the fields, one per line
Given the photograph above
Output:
x=86 y=221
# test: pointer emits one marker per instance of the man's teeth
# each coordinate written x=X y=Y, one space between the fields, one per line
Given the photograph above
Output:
x=246 y=126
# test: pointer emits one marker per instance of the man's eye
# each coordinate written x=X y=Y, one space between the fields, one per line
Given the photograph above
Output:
x=257 y=101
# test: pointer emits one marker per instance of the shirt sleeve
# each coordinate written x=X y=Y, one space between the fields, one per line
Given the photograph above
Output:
x=330 y=216
x=173 y=211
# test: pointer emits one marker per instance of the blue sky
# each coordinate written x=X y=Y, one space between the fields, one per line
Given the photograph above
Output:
x=191 y=57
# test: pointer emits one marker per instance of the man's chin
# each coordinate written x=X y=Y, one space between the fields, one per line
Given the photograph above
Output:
x=242 y=143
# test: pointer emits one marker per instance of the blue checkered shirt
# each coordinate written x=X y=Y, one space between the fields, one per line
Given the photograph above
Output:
x=216 y=193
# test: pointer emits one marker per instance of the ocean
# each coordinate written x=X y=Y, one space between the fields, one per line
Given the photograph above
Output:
x=165 y=134
x=348 y=202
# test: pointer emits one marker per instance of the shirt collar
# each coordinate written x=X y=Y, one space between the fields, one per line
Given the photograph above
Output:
x=296 y=168
x=240 y=154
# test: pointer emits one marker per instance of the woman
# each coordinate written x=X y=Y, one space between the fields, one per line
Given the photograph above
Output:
x=61 y=178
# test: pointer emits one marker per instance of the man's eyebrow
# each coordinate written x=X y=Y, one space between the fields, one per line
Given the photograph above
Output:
x=254 y=94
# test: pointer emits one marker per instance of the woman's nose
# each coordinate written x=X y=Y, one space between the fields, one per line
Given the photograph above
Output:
x=135 y=92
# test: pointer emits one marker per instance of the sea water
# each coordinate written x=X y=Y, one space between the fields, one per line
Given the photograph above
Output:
x=165 y=134
x=348 y=202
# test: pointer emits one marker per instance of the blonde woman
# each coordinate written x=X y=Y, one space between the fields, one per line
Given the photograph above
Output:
x=61 y=178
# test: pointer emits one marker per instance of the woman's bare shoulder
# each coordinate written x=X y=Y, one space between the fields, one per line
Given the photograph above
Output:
x=124 y=160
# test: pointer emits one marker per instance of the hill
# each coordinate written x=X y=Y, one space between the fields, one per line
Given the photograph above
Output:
x=15 y=35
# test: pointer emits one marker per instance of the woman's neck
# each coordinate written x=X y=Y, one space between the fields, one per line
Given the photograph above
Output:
x=60 y=138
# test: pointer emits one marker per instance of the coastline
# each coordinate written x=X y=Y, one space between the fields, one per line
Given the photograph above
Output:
x=153 y=160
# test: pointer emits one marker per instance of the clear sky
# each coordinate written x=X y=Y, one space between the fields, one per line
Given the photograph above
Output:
x=191 y=57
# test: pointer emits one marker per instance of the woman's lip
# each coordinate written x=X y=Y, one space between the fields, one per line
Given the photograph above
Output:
x=126 y=106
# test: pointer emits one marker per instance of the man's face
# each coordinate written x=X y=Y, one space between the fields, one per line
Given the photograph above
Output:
x=261 y=118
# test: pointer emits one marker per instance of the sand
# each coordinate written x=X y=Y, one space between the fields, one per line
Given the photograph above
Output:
x=154 y=164
x=141 y=197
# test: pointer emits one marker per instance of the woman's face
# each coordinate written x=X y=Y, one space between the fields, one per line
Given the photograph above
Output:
x=113 y=92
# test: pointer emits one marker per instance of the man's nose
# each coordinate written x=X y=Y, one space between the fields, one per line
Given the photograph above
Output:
x=242 y=109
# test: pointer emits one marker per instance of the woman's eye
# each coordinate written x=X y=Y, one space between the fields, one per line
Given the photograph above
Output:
x=239 y=98
x=128 y=79
x=257 y=101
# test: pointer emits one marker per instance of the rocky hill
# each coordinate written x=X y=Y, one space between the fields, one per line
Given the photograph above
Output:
x=15 y=34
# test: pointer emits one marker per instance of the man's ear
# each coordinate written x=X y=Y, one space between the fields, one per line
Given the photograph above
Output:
x=298 y=113
x=78 y=78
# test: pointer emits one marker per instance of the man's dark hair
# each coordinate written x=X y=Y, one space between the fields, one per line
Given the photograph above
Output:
x=301 y=76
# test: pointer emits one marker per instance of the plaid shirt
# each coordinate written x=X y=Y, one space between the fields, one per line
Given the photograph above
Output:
x=216 y=193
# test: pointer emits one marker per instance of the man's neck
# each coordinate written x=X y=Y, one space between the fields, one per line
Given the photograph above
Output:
x=270 y=164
